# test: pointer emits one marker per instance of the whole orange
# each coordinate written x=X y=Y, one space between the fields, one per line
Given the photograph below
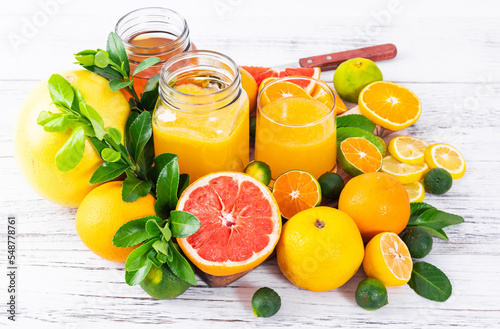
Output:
x=102 y=212
x=377 y=202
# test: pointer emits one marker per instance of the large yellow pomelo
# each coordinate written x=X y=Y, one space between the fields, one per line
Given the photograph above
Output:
x=35 y=149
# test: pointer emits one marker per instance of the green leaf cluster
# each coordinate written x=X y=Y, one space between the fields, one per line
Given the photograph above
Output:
x=432 y=220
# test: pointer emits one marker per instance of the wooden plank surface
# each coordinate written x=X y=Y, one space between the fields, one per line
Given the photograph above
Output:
x=448 y=55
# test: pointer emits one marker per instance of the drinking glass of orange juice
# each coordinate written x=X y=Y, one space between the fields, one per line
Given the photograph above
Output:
x=202 y=113
x=296 y=126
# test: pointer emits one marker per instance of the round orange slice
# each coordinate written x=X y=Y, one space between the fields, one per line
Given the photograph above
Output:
x=281 y=89
x=240 y=223
x=358 y=156
x=389 y=105
x=295 y=191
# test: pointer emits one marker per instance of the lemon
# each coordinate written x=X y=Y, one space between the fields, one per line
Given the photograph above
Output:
x=388 y=259
x=416 y=191
x=320 y=249
x=447 y=157
x=408 y=149
x=404 y=172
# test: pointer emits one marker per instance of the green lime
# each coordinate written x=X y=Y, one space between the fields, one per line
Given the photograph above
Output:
x=384 y=145
x=162 y=283
x=253 y=124
x=265 y=302
x=353 y=75
x=438 y=181
x=331 y=185
x=260 y=171
x=418 y=241
x=371 y=294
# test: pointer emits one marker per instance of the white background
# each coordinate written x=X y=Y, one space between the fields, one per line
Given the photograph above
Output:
x=448 y=54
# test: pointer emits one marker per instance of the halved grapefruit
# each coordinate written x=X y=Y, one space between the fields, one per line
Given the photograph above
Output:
x=240 y=223
x=260 y=73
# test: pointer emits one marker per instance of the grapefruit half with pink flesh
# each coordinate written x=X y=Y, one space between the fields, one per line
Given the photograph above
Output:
x=261 y=73
x=240 y=223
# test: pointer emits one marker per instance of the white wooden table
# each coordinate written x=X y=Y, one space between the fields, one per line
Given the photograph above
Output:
x=448 y=55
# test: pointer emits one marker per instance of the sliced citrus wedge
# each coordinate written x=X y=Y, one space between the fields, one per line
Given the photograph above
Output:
x=282 y=89
x=296 y=190
x=320 y=94
x=447 y=157
x=358 y=156
x=416 y=191
x=240 y=223
x=389 y=105
x=388 y=259
x=408 y=149
x=261 y=73
x=404 y=172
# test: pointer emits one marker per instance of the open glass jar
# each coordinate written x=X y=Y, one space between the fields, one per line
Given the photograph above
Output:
x=202 y=114
x=152 y=31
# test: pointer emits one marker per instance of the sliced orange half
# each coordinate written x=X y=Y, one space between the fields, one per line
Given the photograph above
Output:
x=388 y=259
x=296 y=190
x=279 y=90
x=389 y=105
x=358 y=156
x=445 y=156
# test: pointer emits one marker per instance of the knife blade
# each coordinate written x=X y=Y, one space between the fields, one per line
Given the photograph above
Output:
x=332 y=60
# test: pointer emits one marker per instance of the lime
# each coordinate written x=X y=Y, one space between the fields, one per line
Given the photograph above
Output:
x=418 y=241
x=371 y=294
x=353 y=75
x=265 y=302
x=331 y=185
x=253 y=124
x=260 y=171
x=438 y=181
x=162 y=283
x=384 y=145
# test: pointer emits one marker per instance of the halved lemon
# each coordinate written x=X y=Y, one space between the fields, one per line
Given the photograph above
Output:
x=282 y=89
x=408 y=149
x=416 y=191
x=388 y=259
x=447 y=157
x=405 y=173
x=389 y=105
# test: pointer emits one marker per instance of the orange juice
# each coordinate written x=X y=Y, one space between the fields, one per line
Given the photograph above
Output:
x=296 y=133
x=203 y=117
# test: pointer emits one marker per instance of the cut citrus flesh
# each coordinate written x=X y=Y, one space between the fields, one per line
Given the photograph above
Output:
x=362 y=154
x=416 y=191
x=404 y=172
x=447 y=157
x=279 y=90
x=389 y=105
x=240 y=223
x=290 y=110
x=261 y=73
x=408 y=149
x=296 y=191
x=388 y=259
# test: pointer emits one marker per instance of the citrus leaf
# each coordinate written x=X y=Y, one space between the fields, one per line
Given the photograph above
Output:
x=117 y=84
x=71 y=153
x=135 y=188
x=152 y=227
x=152 y=84
x=183 y=224
x=166 y=188
x=60 y=90
x=128 y=139
x=115 y=134
x=417 y=209
x=437 y=233
x=346 y=132
x=145 y=159
x=183 y=183
x=106 y=72
x=149 y=95
x=139 y=256
x=108 y=171
x=179 y=265
x=135 y=277
x=140 y=133
x=436 y=219
x=356 y=121
x=145 y=64
x=161 y=247
x=110 y=155
x=430 y=282
x=161 y=257
x=160 y=162
x=117 y=52
x=152 y=256
x=133 y=232
x=101 y=59
x=57 y=124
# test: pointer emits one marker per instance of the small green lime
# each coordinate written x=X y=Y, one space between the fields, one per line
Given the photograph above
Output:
x=265 y=302
x=253 y=124
x=418 y=241
x=438 y=181
x=162 y=283
x=371 y=294
x=353 y=75
x=331 y=185
x=260 y=171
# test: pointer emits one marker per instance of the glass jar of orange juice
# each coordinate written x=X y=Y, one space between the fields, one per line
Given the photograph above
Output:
x=296 y=126
x=202 y=114
x=152 y=31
